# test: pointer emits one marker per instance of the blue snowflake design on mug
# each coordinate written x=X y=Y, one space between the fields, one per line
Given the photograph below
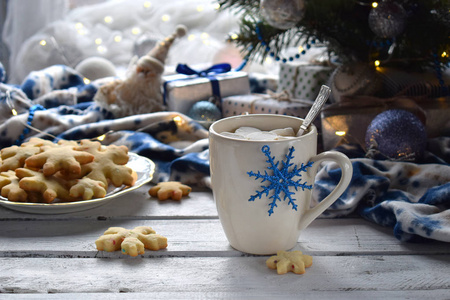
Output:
x=281 y=180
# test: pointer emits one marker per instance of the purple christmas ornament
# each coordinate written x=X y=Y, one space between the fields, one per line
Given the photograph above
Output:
x=396 y=134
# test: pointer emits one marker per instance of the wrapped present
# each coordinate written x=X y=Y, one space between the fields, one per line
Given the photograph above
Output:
x=303 y=80
x=346 y=122
x=426 y=84
x=182 y=91
x=260 y=83
x=264 y=104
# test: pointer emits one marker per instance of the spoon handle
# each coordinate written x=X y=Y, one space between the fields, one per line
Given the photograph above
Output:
x=322 y=97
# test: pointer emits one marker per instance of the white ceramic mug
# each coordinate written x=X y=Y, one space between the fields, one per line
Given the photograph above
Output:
x=242 y=172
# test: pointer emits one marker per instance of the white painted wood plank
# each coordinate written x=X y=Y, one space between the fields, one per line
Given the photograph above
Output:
x=236 y=295
x=223 y=276
x=198 y=238
x=136 y=204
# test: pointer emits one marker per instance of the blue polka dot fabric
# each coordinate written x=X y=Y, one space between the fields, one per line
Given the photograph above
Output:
x=411 y=198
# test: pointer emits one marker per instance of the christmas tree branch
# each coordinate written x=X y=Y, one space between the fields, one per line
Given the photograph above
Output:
x=342 y=25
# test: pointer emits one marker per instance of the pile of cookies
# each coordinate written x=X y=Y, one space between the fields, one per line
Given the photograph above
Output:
x=41 y=171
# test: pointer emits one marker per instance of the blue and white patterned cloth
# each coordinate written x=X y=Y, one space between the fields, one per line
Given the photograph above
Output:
x=412 y=198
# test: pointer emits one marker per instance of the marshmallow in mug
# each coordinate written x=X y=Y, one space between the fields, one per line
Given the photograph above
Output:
x=255 y=134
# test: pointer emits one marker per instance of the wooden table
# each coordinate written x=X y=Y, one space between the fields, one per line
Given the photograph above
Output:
x=43 y=256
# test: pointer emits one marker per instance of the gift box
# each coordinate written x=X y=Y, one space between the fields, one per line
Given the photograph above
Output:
x=346 y=122
x=260 y=83
x=182 y=91
x=264 y=104
x=303 y=80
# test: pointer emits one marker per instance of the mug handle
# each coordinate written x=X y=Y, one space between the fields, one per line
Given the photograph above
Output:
x=347 y=171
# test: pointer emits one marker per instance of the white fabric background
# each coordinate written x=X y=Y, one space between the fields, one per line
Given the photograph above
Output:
x=58 y=24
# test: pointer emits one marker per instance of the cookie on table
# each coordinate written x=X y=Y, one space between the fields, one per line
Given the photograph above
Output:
x=294 y=261
x=131 y=241
x=170 y=189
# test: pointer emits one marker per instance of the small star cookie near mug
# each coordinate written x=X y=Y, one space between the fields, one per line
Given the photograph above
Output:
x=263 y=188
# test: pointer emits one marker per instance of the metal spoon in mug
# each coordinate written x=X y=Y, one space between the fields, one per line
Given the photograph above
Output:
x=322 y=97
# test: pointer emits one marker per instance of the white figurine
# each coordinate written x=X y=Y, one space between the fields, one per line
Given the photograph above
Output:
x=140 y=92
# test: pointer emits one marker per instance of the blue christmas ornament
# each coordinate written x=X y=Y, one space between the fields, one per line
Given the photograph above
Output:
x=396 y=134
x=205 y=111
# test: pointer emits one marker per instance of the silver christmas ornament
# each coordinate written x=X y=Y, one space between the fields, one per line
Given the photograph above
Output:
x=388 y=19
x=282 y=14
x=205 y=111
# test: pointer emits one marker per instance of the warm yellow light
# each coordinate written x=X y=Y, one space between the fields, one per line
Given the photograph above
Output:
x=14 y=112
x=374 y=4
x=206 y=42
x=108 y=19
x=444 y=54
x=43 y=42
x=268 y=60
x=98 y=41
x=376 y=63
x=165 y=18
x=191 y=37
x=147 y=4
x=86 y=80
x=340 y=133
x=200 y=8
x=101 y=49
x=135 y=30
x=178 y=120
x=300 y=49
x=79 y=25
x=102 y=137
x=204 y=35
x=117 y=38
x=234 y=36
x=216 y=6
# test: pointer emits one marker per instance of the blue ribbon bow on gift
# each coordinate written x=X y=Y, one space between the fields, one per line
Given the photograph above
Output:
x=207 y=73
x=216 y=69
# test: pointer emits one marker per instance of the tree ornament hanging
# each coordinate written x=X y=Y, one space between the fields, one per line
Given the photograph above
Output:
x=282 y=14
x=205 y=111
x=396 y=134
x=388 y=19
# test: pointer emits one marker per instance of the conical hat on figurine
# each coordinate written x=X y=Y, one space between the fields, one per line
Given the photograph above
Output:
x=156 y=58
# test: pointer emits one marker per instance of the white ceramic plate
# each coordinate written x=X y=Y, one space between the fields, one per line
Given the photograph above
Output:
x=143 y=166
